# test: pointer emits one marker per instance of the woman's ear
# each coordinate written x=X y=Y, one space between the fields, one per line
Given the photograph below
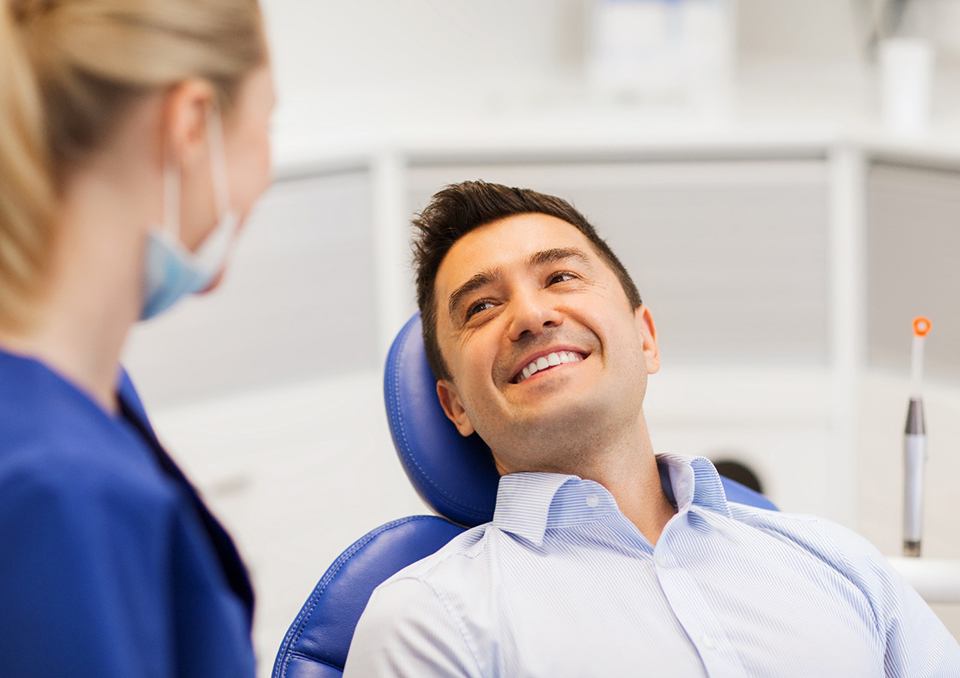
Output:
x=647 y=331
x=453 y=407
x=185 y=120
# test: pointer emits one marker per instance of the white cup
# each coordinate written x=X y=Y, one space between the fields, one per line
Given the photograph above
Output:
x=906 y=79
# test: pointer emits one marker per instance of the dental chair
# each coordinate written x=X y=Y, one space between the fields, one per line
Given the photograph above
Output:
x=454 y=475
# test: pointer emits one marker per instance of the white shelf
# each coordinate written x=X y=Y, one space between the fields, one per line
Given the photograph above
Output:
x=937 y=580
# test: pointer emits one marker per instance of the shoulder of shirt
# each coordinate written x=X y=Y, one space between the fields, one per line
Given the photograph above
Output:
x=850 y=554
x=803 y=526
x=451 y=559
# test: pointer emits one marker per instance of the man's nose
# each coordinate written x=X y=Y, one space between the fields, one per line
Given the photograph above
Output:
x=531 y=314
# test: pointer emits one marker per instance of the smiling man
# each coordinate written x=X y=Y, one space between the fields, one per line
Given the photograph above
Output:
x=604 y=558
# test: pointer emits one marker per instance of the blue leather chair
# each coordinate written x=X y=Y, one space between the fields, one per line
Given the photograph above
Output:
x=454 y=475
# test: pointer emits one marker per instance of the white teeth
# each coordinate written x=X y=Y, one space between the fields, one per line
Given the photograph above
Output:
x=550 y=360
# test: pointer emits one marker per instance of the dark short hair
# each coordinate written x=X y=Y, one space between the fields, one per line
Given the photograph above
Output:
x=459 y=209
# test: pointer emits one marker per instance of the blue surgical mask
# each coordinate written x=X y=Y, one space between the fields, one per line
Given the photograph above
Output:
x=171 y=272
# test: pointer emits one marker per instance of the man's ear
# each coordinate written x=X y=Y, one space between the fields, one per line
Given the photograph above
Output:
x=647 y=331
x=453 y=407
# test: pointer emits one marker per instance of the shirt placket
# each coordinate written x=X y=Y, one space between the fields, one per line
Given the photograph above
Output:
x=684 y=596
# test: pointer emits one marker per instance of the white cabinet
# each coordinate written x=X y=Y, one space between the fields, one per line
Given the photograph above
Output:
x=913 y=266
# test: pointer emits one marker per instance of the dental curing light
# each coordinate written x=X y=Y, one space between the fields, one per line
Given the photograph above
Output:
x=914 y=447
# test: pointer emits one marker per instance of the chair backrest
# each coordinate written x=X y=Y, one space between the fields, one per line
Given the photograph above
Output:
x=454 y=475
x=316 y=644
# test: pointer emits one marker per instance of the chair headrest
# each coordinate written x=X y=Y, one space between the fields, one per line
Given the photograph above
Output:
x=453 y=474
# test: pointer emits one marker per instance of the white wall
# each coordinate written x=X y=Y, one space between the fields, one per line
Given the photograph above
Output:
x=351 y=56
x=366 y=49
x=824 y=31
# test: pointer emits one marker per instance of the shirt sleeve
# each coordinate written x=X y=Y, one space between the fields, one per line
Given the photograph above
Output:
x=407 y=631
x=83 y=578
x=916 y=643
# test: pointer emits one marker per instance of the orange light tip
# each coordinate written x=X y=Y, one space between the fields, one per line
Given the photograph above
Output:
x=921 y=326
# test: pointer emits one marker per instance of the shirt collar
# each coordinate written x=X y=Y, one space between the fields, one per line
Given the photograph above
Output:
x=692 y=481
x=530 y=503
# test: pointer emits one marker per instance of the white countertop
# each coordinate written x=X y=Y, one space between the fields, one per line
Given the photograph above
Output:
x=775 y=110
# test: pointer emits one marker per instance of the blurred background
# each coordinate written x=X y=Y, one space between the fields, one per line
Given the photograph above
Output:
x=781 y=178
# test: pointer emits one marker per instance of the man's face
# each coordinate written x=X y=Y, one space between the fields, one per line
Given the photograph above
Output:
x=547 y=356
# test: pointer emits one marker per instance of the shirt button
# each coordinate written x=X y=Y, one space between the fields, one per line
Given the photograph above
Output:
x=661 y=559
x=593 y=501
x=708 y=642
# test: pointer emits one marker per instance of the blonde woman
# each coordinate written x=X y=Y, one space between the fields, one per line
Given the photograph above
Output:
x=133 y=141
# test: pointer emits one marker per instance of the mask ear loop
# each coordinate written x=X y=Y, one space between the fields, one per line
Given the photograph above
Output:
x=171 y=199
x=218 y=168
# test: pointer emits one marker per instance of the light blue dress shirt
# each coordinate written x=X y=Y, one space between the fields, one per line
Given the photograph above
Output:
x=562 y=584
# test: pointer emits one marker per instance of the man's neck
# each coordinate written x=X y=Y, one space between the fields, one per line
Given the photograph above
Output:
x=629 y=472
x=626 y=466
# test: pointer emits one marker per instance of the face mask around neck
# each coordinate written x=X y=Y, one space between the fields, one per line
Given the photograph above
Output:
x=171 y=272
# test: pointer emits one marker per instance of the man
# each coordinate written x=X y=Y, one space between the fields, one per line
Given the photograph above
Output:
x=604 y=559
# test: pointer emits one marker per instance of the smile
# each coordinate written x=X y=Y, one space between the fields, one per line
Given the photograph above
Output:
x=546 y=362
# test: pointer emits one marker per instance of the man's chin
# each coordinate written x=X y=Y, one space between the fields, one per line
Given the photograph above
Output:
x=559 y=411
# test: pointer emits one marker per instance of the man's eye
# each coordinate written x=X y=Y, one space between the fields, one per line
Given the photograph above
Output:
x=478 y=306
x=560 y=276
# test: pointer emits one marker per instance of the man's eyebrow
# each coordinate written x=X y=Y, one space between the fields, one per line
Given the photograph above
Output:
x=473 y=284
x=558 y=254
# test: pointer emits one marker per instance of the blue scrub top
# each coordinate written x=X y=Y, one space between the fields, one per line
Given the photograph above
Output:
x=110 y=564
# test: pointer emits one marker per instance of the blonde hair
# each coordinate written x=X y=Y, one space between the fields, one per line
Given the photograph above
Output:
x=69 y=71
